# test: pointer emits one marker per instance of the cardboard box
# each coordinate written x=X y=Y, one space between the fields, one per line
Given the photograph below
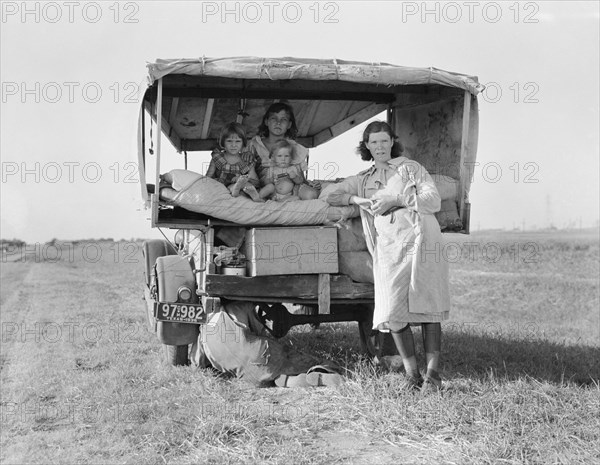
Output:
x=293 y=250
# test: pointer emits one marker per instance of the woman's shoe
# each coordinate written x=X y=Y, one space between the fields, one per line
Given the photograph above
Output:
x=322 y=375
x=431 y=383
x=292 y=381
x=412 y=383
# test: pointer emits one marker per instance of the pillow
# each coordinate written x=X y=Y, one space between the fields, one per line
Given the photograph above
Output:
x=448 y=216
x=446 y=186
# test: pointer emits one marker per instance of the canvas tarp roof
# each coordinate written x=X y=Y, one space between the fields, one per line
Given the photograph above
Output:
x=311 y=69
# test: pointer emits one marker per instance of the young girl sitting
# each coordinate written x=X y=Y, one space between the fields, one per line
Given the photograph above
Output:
x=228 y=167
x=279 y=123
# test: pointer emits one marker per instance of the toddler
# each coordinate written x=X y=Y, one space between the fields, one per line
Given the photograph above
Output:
x=280 y=178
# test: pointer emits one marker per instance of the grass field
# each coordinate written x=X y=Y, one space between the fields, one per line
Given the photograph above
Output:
x=83 y=382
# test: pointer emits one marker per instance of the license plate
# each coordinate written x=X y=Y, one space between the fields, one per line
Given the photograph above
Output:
x=179 y=313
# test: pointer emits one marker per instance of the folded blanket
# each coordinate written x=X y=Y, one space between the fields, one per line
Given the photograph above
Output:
x=200 y=194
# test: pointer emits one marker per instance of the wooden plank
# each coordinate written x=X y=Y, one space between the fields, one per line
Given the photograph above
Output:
x=324 y=291
x=207 y=116
x=282 y=287
x=141 y=143
x=296 y=300
x=154 y=210
x=464 y=146
x=173 y=112
x=158 y=130
x=349 y=122
x=167 y=129
x=183 y=83
x=195 y=145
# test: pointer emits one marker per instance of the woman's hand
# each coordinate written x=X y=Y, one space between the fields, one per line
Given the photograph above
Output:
x=314 y=185
x=365 y=204
x=381 y=205
x=247 y=156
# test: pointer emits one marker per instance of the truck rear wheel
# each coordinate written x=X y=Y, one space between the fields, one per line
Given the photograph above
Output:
x=151 y=250
x=176 y=355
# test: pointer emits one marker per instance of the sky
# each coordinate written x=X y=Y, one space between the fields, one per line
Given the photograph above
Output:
x=73 y=74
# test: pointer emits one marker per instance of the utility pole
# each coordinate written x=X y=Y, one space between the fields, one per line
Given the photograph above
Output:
x=549 y=212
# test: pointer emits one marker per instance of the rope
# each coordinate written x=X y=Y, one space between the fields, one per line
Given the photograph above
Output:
x=337 y=74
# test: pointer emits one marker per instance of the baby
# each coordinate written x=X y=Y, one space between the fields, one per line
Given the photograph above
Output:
x=281 y=178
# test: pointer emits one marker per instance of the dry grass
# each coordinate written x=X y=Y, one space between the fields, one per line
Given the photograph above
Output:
x=521 y=365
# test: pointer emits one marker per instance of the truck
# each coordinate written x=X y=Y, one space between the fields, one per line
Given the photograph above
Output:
x=214 y=256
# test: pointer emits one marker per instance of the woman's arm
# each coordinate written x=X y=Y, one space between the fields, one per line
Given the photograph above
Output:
x=296 y=174
x=420 y=193
x=342 y=195
x=301 y=156
x=412 y=188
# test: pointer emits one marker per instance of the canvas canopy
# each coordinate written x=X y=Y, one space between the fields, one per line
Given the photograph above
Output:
x=329 y=97
x=384 y=74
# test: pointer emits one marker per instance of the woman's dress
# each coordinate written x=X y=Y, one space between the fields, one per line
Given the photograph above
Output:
x=409 y=265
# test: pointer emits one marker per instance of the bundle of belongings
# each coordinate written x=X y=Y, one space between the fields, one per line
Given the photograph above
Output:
x=197 y=193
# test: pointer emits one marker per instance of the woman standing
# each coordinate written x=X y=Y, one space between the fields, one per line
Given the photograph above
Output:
x=398 y=198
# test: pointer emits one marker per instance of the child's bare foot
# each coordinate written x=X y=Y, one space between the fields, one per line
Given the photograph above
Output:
x=252 y=193
x=239 y=185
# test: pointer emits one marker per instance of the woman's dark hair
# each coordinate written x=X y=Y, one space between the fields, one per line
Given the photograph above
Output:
x=232 y=129
x=375 y=127
x=292 y=132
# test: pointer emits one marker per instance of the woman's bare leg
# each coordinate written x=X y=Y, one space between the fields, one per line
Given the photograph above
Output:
x=405 y=343
x=432 y=342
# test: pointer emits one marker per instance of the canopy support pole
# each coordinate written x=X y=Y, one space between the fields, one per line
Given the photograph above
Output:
x=464 y=171
x=156 y=195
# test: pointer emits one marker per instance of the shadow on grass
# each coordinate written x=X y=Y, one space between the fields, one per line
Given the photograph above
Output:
x=483 y=356
x=473 y=355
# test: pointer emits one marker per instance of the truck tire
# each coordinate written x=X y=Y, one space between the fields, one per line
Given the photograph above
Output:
x=151 y=250
x=176 y=355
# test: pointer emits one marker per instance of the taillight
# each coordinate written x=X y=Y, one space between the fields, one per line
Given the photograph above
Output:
x=184 y=294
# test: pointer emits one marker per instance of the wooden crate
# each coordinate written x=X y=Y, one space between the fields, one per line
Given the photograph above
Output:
x=293 y=250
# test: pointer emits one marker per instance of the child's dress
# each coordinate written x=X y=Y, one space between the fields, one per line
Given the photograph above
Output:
x=228 y=173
